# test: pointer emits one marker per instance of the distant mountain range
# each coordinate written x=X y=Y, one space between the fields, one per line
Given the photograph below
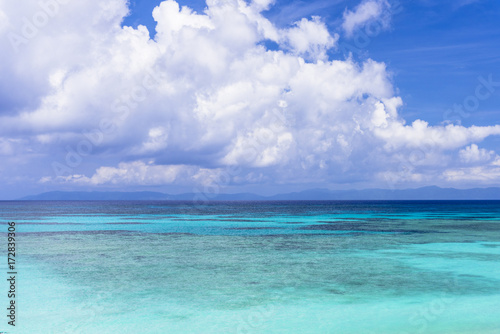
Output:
x=425 y=193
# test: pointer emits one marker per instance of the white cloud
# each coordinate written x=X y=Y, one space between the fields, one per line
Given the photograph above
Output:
x=172 y=19
x=420 y=135
x=261 y=148
x=367 y=12
x=309 y=38
x=140 y=173
x=473 y=154
x=130 y=173
x=485 y=175
x=206 y=95
x=157 y=140
x=262 y=5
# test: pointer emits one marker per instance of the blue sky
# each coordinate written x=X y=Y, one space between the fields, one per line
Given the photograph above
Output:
x=258 y=96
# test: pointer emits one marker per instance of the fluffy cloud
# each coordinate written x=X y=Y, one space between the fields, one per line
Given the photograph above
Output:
x=473 y=154
x=421 y=135
x=487 y=174
x=205 y=99
x=309 y=38
x=367 y=12
x=140 y=173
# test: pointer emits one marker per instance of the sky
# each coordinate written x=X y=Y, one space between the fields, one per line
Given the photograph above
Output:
x=259 y=96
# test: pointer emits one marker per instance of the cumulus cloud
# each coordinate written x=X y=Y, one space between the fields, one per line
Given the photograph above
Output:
x=110 y=105
x=139 y=173
x=367 y=12
x=309 y=38
x=485 y=175
x=473 y=154
x=420 y=135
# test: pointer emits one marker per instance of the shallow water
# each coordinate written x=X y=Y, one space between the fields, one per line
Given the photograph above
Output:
x=256 y=267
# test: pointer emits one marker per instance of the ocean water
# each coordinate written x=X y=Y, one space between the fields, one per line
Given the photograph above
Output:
x=254 y=267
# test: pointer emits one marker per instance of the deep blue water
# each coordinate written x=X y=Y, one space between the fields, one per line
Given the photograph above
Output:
x=256 y=267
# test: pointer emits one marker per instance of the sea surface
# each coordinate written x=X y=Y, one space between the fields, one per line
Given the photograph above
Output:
x=254 y=267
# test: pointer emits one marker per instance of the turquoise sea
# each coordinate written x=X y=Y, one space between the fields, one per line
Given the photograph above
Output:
x=254 y=267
